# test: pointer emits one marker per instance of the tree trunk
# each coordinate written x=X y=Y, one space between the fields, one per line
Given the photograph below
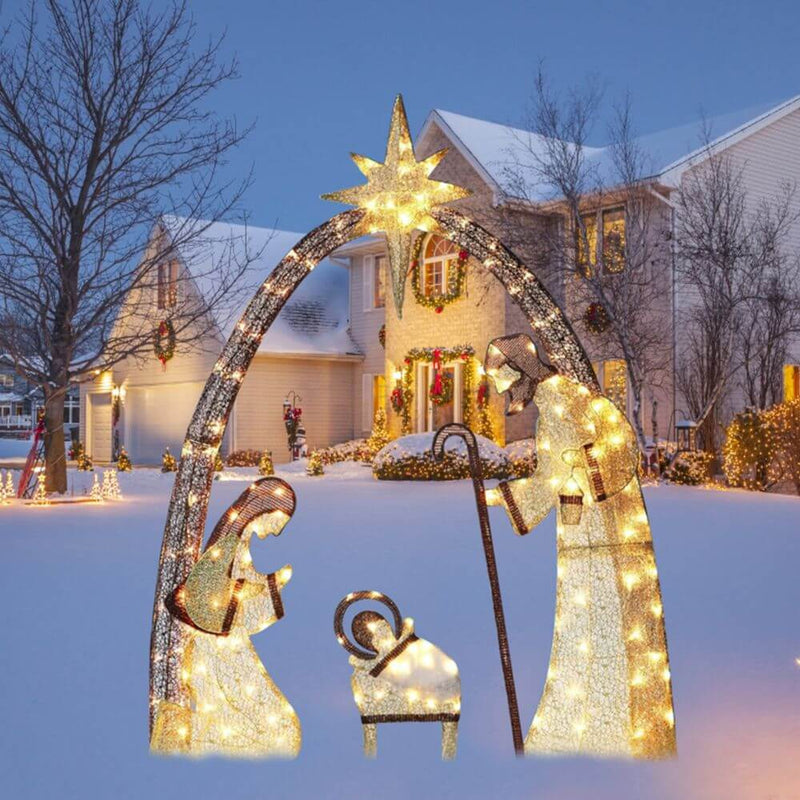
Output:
x=54 y=453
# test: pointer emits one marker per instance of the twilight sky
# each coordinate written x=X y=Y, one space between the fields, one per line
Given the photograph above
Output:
x=319 y=76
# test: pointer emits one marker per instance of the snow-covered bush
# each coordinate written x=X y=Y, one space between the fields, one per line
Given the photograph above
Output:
x=749 y=450
x=354 y=450
x=243 y=458
x=409 y=458
x=690 y=468
x=785 y=418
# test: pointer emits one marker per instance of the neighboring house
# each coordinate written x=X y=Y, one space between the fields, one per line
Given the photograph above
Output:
x=326 y=344
x=21 y=401
x=308 y=350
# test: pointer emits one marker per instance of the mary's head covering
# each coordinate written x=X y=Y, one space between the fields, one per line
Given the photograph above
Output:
x=513 y=363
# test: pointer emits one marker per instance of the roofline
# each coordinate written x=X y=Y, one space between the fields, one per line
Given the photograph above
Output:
x=310 y=356
x=436 y=117
x=672 y=172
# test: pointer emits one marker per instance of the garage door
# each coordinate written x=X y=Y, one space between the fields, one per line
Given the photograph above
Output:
x=157 y=417
x=100 y=443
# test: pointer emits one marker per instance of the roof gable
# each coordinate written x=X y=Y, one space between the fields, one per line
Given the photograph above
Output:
x=496 y=151
x=314 y=321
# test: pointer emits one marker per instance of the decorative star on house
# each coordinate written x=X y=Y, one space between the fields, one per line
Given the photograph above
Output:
x=398 y=196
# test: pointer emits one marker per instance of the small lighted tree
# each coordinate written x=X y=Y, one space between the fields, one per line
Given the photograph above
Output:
x=379 y=437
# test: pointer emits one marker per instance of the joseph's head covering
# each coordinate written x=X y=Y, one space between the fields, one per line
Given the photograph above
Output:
x=518 y=352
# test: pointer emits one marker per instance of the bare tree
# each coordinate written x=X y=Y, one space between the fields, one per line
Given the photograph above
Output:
x=105 y=138
x=740 y=301
x=618 y=276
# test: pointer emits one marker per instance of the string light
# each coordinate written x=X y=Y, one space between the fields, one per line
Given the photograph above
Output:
x=232 y=706
x=608 y=689
x=398 y=196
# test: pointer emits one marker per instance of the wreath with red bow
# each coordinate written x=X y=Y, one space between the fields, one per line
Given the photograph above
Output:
x=164 y=341
x=596 y=318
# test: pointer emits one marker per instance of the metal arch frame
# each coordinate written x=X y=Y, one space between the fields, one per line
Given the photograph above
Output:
x=186 y=518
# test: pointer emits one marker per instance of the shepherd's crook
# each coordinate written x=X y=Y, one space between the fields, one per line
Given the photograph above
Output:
x=476 y=472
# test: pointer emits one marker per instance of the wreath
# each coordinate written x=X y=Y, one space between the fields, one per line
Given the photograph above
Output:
x=455 y=280
x=441 y=390
x=164 y=341
x=596 y=318
x=396 y=399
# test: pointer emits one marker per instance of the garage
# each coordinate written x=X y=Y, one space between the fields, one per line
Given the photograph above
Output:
x=155 y=417
x=99 y=444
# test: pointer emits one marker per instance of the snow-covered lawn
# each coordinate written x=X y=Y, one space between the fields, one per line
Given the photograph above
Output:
x=76 y=598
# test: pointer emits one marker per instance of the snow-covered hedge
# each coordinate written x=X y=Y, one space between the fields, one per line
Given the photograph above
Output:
x=354 y=450
x=409 y=458
x=522 y=454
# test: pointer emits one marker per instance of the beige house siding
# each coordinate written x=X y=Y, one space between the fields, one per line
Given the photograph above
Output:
x=326 y=388
x=768 y=159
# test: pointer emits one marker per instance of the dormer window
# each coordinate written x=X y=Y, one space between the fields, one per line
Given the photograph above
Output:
x=168 y=284
x=439 y=258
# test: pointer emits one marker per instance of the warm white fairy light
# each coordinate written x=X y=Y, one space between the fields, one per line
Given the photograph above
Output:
x=608 y=689
x=398 y=677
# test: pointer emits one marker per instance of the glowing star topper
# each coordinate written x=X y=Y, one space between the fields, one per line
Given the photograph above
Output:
x=398 y=196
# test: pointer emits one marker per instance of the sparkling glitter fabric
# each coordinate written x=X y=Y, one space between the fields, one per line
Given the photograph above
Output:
x=608 y=690
x=183 y=532
x=400 y=678
x=398 y=196
x=234 y=707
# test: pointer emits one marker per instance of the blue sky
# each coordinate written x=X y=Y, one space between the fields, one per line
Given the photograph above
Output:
x=319 y=76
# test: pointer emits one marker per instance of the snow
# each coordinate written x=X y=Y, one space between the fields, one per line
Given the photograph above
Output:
x=14 y=450
x=503 y=149
x=314 y=320
x=77 y=595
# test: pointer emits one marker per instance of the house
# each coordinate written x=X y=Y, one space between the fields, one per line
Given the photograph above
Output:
x=341 y=347
x=21 y=401
x=307 y=355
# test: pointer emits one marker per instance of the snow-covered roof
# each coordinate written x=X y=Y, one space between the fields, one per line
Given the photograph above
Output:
x=314 y=320
x=10 y=397
x=496 y=151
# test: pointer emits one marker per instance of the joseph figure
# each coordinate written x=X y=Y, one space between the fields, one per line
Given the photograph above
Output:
x=608 y=690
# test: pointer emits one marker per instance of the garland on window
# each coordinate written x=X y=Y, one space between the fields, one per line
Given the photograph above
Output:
x=426 y=354
x=455 y=279
x=164 y=341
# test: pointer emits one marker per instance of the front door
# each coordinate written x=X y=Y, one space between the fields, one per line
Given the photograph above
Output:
x=431 y=415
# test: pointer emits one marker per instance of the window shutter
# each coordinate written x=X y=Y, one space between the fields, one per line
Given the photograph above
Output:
x=368 y=290
x=366 y=401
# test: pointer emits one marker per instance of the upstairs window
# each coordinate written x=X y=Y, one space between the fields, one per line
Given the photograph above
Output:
x=168 y=284
x=440 y=257
x=614 y=240
x=605 y=233
x=379 y=283
x=6 y=380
